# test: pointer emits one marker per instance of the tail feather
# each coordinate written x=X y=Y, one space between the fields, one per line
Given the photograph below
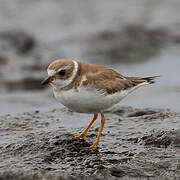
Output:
x=138 y=80
x=151 y=79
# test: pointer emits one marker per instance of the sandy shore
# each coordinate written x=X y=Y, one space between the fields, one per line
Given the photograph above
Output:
x=136 y=143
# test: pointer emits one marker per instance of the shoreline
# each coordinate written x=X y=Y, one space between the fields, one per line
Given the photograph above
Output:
x=136 y=143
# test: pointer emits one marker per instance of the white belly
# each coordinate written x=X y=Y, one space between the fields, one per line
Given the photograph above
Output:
x=89 y=100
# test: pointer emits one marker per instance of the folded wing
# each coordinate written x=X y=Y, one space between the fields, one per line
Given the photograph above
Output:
x=111 y=81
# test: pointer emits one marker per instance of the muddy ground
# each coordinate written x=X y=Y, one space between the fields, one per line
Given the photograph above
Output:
x=136 y=144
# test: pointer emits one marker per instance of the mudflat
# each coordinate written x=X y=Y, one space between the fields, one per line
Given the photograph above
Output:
x=136 y=144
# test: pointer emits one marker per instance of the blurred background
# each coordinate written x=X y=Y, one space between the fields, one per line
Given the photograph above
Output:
x=136 y=38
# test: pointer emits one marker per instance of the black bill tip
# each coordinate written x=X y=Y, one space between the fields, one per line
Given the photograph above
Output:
x=45 y=81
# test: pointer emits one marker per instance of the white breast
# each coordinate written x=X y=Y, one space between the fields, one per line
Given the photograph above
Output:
x=90 y=100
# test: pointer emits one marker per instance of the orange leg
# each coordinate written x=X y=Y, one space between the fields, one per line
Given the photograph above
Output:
x=84 y=132
x=95 y=144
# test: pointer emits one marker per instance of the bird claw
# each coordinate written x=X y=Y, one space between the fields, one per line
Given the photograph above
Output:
x=93 y=146
x=81 y=136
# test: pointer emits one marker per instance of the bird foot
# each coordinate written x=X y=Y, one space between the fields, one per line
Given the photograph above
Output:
x=80 y=136
x=93 y=146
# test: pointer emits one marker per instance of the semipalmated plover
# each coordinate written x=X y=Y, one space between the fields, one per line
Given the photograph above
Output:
x=90 y=88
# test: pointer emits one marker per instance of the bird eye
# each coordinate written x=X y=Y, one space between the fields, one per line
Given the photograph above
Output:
x=62 y=72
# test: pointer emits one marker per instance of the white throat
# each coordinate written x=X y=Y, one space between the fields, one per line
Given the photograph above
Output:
x=58 y=84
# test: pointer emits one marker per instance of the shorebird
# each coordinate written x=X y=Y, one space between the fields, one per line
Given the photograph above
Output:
x=90 y=88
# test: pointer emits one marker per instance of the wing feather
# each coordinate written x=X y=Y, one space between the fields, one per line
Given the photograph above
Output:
x=111 y=81
x=107 y=80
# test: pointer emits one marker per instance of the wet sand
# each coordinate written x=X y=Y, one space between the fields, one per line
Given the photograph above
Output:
x=136 y=144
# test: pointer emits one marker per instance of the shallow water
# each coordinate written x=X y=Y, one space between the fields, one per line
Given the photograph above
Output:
x=163 y=94
x=69 y=34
